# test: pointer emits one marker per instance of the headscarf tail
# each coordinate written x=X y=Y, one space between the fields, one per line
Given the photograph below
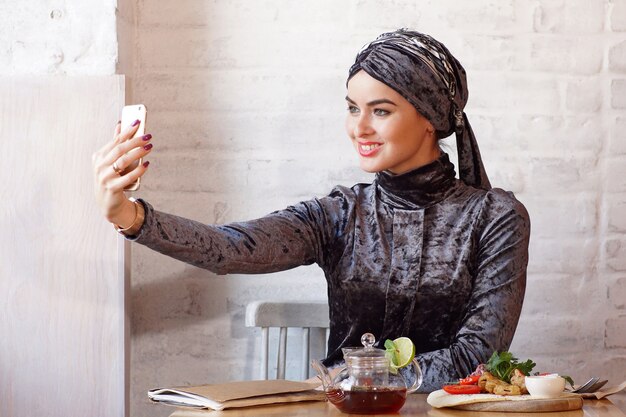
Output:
x=471 y=168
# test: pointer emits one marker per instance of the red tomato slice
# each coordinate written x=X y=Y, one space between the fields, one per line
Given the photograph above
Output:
x=462 y=389
x=470 y=380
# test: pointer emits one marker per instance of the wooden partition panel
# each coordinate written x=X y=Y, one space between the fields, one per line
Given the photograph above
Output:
x=63 y=324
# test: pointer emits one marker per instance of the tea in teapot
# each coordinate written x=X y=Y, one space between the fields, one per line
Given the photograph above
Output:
x=369 y=383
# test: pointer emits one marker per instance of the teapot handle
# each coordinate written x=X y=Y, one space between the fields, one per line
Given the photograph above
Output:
x=323 y=374
x=418 y=377
x=326 y=375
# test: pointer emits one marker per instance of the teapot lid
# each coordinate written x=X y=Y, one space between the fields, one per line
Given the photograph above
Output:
x=369 y=355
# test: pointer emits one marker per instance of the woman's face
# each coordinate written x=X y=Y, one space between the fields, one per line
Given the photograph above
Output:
x=385 y=129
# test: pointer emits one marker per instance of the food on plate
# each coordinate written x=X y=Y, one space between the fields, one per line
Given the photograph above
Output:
x=506 y=389
x=502 y=375
x=484 y=378
x=519 y=379
x=470 y=380
x=461 y=389
x=489 y=383
x=502 y=380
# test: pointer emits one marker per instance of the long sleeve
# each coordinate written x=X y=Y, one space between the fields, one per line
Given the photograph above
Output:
x=496 y=300
x=297 y=235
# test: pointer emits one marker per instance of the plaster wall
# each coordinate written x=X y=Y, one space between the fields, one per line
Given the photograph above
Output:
x=247 y=109
x=60 y=37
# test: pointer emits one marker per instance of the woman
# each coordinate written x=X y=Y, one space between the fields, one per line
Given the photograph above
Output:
x=416 y=253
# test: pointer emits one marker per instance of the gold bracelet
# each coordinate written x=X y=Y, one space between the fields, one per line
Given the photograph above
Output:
x=140 y=214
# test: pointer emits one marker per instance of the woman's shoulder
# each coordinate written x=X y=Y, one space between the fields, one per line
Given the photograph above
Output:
x=497 y=204
x=494 y=203
x=504 y=200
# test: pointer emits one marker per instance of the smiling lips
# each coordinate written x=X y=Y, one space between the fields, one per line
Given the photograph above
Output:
x=369 y=148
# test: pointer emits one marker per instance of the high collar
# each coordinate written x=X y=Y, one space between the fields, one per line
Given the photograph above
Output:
x=420 y=188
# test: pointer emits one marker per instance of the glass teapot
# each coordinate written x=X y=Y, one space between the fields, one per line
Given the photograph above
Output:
x=367 y=384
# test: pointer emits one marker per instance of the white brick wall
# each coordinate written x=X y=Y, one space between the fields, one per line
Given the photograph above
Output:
x=246 y=104
x=618 y=16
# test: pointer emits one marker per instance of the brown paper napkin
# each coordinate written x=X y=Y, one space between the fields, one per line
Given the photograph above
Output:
x=604 y=392
x=237 y=394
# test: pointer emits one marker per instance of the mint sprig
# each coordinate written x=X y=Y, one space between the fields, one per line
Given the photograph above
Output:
x=502 y=365
x=391 y=352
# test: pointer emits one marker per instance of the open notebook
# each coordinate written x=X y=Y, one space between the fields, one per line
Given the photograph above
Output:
x=238 y=394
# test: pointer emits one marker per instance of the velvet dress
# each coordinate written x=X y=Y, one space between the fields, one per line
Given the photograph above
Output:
x=420 y=255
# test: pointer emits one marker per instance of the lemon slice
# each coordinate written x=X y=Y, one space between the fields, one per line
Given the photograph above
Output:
x=404 y=352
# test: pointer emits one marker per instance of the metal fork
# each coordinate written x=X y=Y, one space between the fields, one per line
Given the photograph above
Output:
x=595 y=387
x=584 y=387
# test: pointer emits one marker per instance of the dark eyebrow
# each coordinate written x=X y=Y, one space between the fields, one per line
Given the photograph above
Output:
x=373 y=102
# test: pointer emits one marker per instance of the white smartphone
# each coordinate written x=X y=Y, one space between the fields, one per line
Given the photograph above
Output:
x=131 y=113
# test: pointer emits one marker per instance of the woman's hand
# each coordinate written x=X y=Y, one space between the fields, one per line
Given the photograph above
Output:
x=110 y=163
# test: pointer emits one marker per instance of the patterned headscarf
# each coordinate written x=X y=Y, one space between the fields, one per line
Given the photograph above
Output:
x=425 y=73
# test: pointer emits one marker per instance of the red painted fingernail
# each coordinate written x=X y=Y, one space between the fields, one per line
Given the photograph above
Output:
x=148 y=147
x=147 y=137
x=145 y=164
x=136 y=122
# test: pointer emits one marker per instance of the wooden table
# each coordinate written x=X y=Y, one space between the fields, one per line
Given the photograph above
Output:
x=415 y=406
